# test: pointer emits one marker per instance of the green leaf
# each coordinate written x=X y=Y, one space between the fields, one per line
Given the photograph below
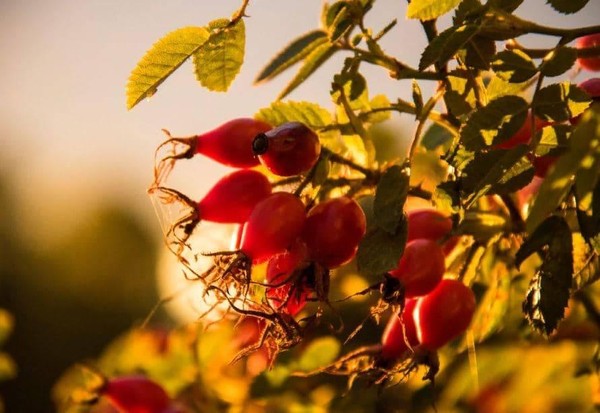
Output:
x=161 y=60
x=482 y=225
x=494 y=123
x=466 y=9
x=446 y=197
x=552 y=138
x=430 y=9
x=292 y=53
x=506 y=5
x=311 y=63
x=560 y=102
x=498 y=87
x=436 y=136
x=379 y=251
x=390 y=197
x=460 y=93
x=219 y=60
x=583 y=146
x=374 y=116
x=446 y=45
x=558 y=61
x=339 y=20
x=587 y=179
x=496 y=172
x=311 y=114
x=548 y=293
x=514 y=66
x=319 y=353
x=567 y=6
x=479 y=52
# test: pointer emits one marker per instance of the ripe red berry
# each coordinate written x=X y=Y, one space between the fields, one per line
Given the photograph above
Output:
x=429 y=224
x=589 y=63
x=231 y=143
x=279 y=272
x=289 y=149
x=233 y=198
x=523 y=135
x=444 y=314
x=420 y=268
x=333 y=231
x=273 y=225
x=400 y=333
x=136 y=394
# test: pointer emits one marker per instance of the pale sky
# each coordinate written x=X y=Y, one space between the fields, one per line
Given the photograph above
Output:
x=64 y=129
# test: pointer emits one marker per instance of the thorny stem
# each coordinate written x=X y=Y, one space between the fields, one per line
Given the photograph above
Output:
x=241 y=12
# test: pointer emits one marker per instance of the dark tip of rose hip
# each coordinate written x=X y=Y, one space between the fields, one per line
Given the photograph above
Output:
x=260 y=144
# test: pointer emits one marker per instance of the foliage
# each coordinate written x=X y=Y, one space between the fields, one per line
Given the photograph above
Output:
x=473 y=155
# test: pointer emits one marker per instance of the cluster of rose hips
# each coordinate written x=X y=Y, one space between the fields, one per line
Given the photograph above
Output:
x=436 y=309
x=299 y=241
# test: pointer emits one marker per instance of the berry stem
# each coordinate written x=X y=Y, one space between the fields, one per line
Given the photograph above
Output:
x=334 y=157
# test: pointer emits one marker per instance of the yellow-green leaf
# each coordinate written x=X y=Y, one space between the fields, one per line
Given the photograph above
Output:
x=311 y=114
x=161 y=60
x=220 y=59
x=292 y=53
x=430 y=9
x=311 y=63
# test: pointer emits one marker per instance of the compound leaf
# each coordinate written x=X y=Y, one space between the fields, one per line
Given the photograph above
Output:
x=161 y=60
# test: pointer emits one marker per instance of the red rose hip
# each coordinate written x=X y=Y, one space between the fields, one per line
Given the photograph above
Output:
x=589 y=63
x=400 y=333
x=289 y=149
x=333 y=231
x=444 y=314
x=273 y=226
x=136 y=394
x=421 y=267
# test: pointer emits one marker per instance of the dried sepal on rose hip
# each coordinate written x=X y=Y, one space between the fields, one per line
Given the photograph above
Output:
x=287 y=150
x=400 y=334
x=230 y=200
x=230 y=144
x=285 y=291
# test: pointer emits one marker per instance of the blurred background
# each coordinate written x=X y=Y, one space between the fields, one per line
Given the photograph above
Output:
x=79 y=239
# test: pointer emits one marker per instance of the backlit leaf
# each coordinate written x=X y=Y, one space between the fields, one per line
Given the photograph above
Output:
x=379 y=251
x=161 y=60
x=292 y=53
x=390 y=197
x=311 y=114
x=494 y=123
x=514 y=66
x=583 y=144
x=446 y=45
x=560 y=102
x=430 y=9
x=558 y=61
x=567 y=6
x=548 y=293
x=310 y=64
x=219 y=60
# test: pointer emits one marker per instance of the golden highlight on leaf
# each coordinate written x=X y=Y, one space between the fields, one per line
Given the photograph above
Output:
x=161 y=60
x=218 y=61
x=430 y=9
